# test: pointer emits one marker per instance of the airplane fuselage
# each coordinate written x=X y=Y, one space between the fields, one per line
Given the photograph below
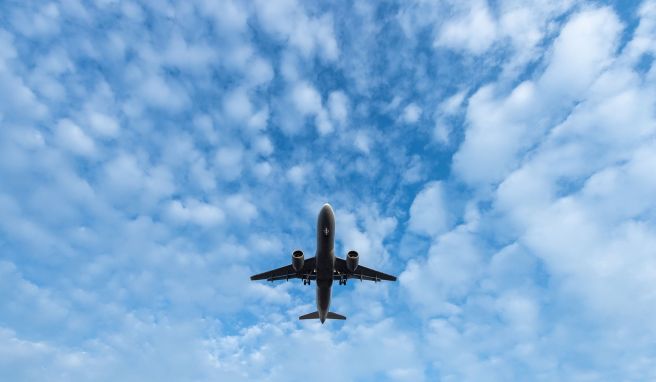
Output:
x=325 y=259
x=324 y=267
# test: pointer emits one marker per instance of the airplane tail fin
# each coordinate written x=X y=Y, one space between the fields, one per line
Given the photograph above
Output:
x=315 y=316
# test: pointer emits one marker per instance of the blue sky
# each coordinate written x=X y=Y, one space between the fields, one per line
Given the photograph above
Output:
x=498 y=156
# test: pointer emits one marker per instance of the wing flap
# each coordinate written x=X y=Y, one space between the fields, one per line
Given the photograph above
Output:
x=287 y=272
x=361 y=273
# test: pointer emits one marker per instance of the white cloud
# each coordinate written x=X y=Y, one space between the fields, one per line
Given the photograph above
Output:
x=260 y=71
x=72 y=137
x=500 y=127
x=585 y=46
x=75 y=9
x=262 y=170
x=46 y=80
x=447 y=108
x=411 y=113
x=263 y=145
x=415 y=170
x=570 y=225
x=133 y=11
x=194 y=211
x=474 y=31
x=103 y=124
x=237 y=105
x=362 y=141
x=202 y=175
x=352 y=237
x=203 y=123
x=451 y=105
x=28 y=304
x=123 y=173
x=8 y=50
x=297 y=174
x=520 y=311
x=324 y=125
x=338 y=106
x=160 y=93
x=259 y=120
x=586 y=237
x=19 y=354
x=38 y=21
x=187 y=55
x=241 y=208
x=309 y=35
x=507 y=33
x=365 y=231
x=642 y=41
x=451 y=270
x=229 y=160
x=125 y=179
x=363 y=341
x=429 y=214
x=17 y=100
x=517 y=28
x=442 y=132
x=579 y=212
x=524 y=27
x=306 y=99
x=229 y=16
x=495 y=132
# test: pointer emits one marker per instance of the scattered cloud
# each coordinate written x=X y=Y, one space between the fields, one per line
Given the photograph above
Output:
x=338 y=105
x=310 y=35
x=429 y=213
x=196 y=212
x=474 y=31
x=150 y=166
x=297 y=175
x=501 y=127
x=446 y=111
x=71 y=137
x=411 y=113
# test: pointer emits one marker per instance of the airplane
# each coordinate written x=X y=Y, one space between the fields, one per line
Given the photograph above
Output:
x=324 y=267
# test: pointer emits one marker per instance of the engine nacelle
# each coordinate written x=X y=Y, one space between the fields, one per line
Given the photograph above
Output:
x=297 y=260
x=352 y=261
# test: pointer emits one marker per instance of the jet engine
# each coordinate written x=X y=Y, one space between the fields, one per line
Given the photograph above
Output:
x=352 y=261
x=297 y=260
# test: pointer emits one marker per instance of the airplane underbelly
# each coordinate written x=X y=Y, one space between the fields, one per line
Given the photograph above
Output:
x=325 y=267
x=323 y=298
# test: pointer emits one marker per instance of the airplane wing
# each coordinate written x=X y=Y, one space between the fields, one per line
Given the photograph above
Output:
x=361 y=272
x=287 y=272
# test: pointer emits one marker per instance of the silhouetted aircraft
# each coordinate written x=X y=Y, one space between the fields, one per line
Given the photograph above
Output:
x=324 y=267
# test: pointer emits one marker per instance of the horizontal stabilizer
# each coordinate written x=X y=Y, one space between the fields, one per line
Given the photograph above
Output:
x=310 y=316
x=315 y=316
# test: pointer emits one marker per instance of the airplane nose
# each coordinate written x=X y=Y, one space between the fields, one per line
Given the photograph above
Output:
x=327 y=209
x=326 y=220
